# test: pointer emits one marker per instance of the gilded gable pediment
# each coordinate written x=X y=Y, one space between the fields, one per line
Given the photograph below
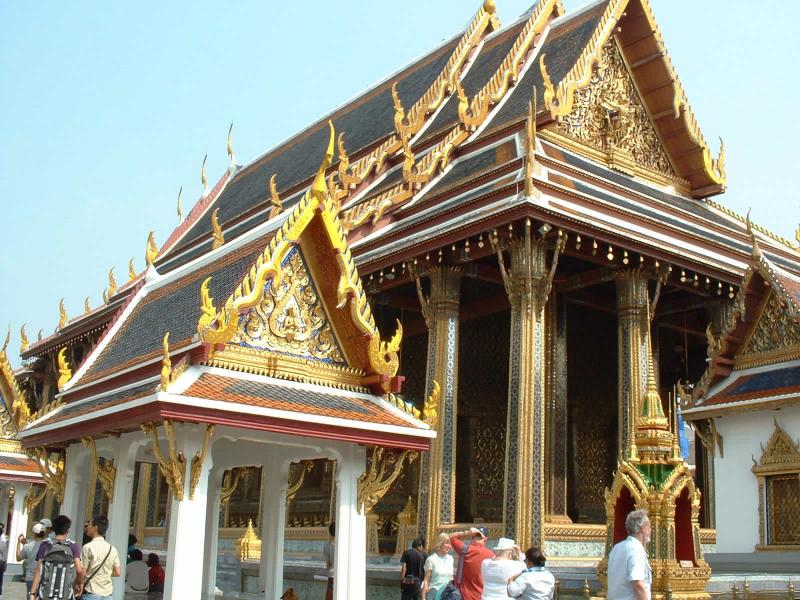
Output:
x=608 y=117
x=774 y=337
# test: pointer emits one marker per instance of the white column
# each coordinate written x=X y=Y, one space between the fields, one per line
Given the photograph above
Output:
x=119 y=511
x=187 y=536
x=19 y=521
x=78 y=469
x=350 y=568
x=212 y=527
x=4 y=504
x=272 y=525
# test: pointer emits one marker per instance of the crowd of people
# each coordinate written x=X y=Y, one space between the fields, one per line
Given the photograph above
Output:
x=462 y=566
x=55 y=566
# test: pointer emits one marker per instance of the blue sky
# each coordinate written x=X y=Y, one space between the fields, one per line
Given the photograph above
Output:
x=108 y=108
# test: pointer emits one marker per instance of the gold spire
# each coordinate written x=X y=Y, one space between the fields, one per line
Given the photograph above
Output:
x=219 y=238
x=203 y=178
x=151 y=253
x=24 y=343
x=62 y=314
x=277 y=203
x=231 y=154
x=179 y=208
x=166 y=363
x=8 y=340
x=64 y=372
x=131 y=270
x=112 y=283
x=86 y=308
x=756 y=248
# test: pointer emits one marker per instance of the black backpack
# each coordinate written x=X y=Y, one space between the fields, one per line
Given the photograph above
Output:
x=58 y=571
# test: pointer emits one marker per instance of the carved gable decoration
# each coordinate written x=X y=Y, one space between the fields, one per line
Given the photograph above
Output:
x=781 y=453
x=608 y=115
x=774 y=337
x=290 y=318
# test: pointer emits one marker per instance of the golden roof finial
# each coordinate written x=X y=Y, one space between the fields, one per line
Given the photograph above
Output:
x=719 y=164
x=219 y=238
x=8 y=340
x=64 y=372
x=277 y=203
x=112 y=283
x=151 y=253
x=131 y=270
x=549 y=88
x=62 y=314
x=756 y=248
x=319 y=189
x=105 y=296
x=24 y=343
x=231 y=154
x=203 y=178
x=399 y=112
x=40 y=335
x=207 y=310
x=179 y=208
x=86 y=307
x=166 y=363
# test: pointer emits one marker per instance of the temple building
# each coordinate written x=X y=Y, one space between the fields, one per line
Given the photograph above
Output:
x=511 y=244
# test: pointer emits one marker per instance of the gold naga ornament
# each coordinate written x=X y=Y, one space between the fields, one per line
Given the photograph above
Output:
x=24 y=343
x=151 y=251
x=430 y=411
x=385 y=466
x=64 y=371
x=203 y=178
x=131 y=271
x=173 y=466
x=52 y=472
x=275 y=199
x=63 y=318
x=231 y=155
x=216 y=230
x=106 y=471
x=86 y=306
x=112 y=283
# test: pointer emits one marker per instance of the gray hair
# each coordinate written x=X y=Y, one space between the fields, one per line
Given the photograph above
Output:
x=635 y=521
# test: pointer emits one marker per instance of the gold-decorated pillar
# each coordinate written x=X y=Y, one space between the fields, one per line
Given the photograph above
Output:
x=632 y=336
x=437 y=481
x=528 y=286
x=556 y=433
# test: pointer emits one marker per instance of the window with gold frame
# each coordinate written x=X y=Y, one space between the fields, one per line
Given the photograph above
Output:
x=778 y=475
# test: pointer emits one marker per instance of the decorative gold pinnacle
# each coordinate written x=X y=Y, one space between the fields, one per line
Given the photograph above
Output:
x=8 y=340
x=24 y=343
x=219 y=238
x=64 y=371
x=203 y=178
x=131 y=271
x=166 y=363
x=63 y=318
x=151 y=253
x=231 y=154
x=112 y=283
x=179 y=208
x=40 y=335
x=277 y=203
x=86 y=306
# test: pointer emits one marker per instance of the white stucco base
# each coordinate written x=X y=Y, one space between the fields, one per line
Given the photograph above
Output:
x=736 y=486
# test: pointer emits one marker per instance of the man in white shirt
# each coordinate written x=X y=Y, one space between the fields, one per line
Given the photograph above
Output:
x=629 y=573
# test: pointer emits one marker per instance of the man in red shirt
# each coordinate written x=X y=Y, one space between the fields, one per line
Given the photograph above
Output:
x=470 y=557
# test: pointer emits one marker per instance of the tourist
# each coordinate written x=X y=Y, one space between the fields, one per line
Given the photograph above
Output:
x=498 y=570
x=48 y=529
x=26 y=554
x=59 y=571
x=629 y=573
x=438 y=569
x=3 y=556
x=101 y=561
x=471 y=556
x=137 y=575
x=329 y=553
x=536 y=582
x=412 y=570
x=156 y=575
x=132 y=541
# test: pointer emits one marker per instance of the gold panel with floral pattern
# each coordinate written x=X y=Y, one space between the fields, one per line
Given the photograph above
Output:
x=609 y=116
x=775 y=337
x=290 y=319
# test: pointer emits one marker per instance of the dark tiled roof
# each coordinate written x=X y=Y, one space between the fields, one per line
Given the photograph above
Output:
x=78 y=409
x=562 y=48
x=174 y=307
x=363 y=122
x=778 y=381
x=464 y=170
x=304 y=401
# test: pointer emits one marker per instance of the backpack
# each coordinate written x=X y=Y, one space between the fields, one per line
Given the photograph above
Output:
x=58 y=571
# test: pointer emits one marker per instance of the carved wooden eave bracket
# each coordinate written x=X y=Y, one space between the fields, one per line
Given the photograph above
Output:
x=34 y=497
x=52 y=472
x=106 y=471
x=633 y=25
x=173 y=465
x=385 y=466
x=314 y=219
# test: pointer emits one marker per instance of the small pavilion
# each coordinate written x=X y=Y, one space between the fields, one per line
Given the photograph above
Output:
x=289 y=366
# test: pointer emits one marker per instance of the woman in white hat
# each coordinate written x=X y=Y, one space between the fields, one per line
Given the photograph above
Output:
x=498 y=570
